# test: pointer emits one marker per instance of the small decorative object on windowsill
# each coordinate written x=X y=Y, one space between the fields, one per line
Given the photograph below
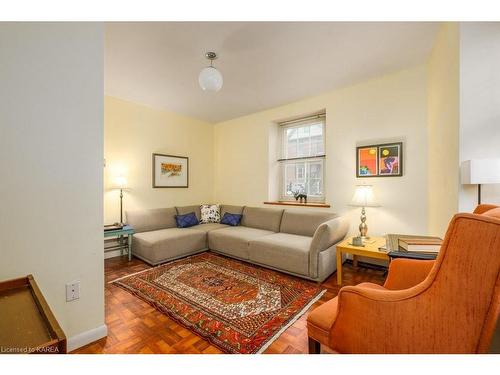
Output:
x=363 y=197
x=299 y=196
x=480 y=171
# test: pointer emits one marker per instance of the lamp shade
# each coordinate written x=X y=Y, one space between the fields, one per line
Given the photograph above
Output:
x=364 y=197
x=210 y=79
x=480 y=171
x=120 y=182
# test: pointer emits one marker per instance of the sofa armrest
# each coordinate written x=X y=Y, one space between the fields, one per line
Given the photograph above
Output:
x=326 y=235
x=406 y=273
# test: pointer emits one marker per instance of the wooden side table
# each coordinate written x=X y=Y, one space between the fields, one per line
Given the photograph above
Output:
x=128 y=231
x=370 y=250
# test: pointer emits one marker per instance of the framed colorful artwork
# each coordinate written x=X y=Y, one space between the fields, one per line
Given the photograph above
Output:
x=170 y=171
x=366 y=161
x=390 y=159
x=382 y=160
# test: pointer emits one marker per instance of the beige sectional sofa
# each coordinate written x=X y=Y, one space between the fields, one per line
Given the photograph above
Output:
x=294 y=241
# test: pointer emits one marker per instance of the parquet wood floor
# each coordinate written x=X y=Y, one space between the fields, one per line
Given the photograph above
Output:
x=136 y=327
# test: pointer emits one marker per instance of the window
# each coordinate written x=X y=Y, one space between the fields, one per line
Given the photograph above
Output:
x=302 y=158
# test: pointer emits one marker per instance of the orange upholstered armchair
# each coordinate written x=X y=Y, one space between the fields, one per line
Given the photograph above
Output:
x=449 y=305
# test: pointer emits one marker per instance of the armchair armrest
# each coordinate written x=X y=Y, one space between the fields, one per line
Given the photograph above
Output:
x=326 y=235
x=406 y=273
x=482 y=208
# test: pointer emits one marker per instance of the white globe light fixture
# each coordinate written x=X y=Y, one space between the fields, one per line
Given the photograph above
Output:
x=210 y=78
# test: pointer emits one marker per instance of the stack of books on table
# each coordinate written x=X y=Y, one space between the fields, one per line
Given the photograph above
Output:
x=430 y=245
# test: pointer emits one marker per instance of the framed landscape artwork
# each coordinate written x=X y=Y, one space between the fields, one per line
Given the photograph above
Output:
x=170 y=171
x=382 y=160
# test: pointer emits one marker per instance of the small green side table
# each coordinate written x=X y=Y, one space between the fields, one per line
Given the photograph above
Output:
x=128 y=231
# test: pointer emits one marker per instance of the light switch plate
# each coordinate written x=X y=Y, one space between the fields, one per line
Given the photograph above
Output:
x=72 y=291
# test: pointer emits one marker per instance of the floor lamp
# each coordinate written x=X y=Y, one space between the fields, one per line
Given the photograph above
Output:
x=120 y=183
x=480 y=171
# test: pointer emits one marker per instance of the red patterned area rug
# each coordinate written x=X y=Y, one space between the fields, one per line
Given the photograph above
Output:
x=238 y=307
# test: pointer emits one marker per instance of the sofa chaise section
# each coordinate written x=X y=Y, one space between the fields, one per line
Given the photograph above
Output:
x=157 y=238
x=165 y=244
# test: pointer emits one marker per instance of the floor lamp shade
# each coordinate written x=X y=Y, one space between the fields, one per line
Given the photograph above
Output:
x=480 y=171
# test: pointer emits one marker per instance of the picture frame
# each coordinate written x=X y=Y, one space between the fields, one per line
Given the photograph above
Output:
x=170 y=171
x=390 y=159
x=379 y=160
x=367 y=161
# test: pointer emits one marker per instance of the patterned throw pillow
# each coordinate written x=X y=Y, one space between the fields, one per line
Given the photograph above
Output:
x=187 y=220
x=231 y=219
x=210 y=213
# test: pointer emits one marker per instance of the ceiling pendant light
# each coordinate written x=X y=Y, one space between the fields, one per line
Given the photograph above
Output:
x=210 y=78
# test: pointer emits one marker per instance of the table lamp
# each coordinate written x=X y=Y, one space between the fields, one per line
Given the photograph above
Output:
x=480 y=171
x=120 y=182
x=363 y=197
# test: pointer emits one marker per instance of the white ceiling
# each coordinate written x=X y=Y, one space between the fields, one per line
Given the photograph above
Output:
x=264 y=64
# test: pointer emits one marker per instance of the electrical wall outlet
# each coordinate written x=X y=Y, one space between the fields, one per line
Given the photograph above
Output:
x=72 y=291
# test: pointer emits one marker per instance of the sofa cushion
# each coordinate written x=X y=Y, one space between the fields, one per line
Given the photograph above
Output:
x=208 y=227
x=210 y=213
x=182 y=210
x=231 y=209
x=187 y=220
x=231 y=219
x=164 y=244
x=302 y=222
x=262 y=218
x=234 y=240
x=289 y=252
x=152 y=219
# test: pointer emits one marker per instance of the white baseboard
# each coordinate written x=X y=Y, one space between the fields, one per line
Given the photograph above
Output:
x=87 y=337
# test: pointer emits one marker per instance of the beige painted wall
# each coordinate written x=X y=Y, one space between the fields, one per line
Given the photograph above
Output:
x=51 y=142
x=443 y=128
x=132 y=132
x=479 y=103
x=388 y=108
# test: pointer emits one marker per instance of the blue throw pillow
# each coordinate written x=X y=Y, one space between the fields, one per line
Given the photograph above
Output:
x=187 y=220
x=231 y=219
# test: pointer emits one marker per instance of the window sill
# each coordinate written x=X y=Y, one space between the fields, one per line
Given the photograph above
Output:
x=291 y=203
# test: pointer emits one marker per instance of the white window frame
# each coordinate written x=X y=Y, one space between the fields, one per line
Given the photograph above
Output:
x=284 y=160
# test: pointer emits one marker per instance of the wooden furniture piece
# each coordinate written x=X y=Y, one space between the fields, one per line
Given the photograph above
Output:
x=27 y=324
x=425 y=306
x=370 y=250
x=127 y=231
